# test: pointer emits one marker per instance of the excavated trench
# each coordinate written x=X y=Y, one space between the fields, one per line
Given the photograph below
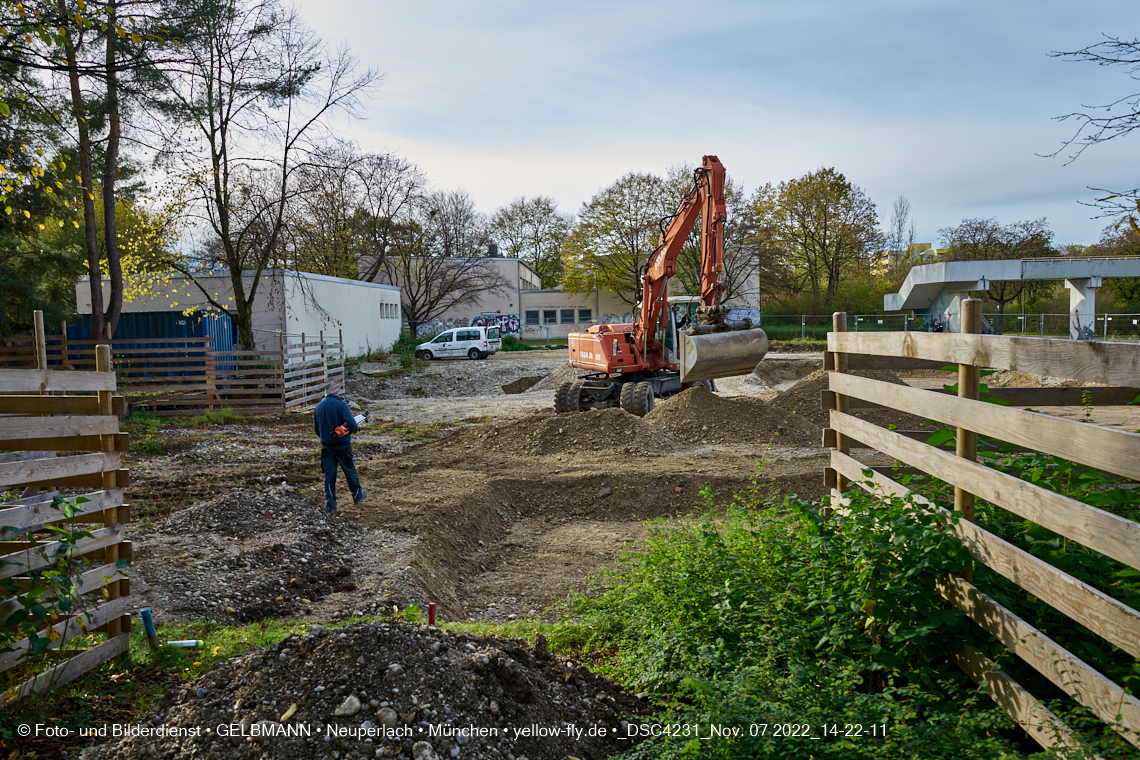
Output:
x=513 y=517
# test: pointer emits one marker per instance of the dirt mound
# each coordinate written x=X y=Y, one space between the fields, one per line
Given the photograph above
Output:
x=384 y=687
x=610 y=430
x=1009 y=378
x=697 y=416
x=248 y=554
x=804 y=399
x=522 y=384
x=564 y=374
x=773 y=371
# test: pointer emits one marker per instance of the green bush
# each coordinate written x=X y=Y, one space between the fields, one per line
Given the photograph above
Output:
x=511 y=343
x=406 y=344
x=762 y=615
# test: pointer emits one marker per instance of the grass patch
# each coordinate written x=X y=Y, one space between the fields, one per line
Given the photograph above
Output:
x=511 y=343
x=224 y=416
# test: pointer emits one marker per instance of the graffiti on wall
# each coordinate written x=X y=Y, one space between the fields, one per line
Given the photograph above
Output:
x=507 y=323
x=753 y=314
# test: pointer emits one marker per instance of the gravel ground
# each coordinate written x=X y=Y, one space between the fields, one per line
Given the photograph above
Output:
x=390 y=690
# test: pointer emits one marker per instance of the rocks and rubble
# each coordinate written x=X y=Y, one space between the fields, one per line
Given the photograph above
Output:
x=391 y=690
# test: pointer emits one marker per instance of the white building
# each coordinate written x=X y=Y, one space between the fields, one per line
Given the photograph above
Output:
x=287 y=304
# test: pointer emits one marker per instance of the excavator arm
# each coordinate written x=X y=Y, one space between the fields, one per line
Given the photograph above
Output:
x=707 y=200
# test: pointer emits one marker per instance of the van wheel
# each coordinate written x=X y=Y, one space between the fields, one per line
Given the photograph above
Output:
x=427 y=357
x=642 y=399
x=474 y=354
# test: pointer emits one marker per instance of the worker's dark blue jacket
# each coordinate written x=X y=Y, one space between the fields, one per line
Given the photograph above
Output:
x=330 y=414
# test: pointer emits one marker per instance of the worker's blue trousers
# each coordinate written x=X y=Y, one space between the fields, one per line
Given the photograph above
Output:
x=331 y=458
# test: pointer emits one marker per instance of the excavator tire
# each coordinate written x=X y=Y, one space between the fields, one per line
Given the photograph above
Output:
x=574 y=398
x=560 y=394
x=642 y=399
x=625 y=400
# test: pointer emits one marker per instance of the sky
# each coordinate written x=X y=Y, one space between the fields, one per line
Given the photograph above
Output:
x=950 y=104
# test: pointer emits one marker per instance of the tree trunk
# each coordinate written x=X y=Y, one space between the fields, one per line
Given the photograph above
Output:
x=110 y=166
x=90 y=235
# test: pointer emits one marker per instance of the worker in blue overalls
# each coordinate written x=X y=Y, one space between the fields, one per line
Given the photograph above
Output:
x=334 y=424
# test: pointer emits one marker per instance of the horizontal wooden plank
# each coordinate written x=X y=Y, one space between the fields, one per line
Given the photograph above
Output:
x=70 y=443
x=1102 y=531
x=1112 y=450
x=1090 y=361
x=137 y=389
x=1068 y=672
x=49 y=405
x=1075 y=396
x=36 y=498
x=46 y=470
x=85 y=661
x=1109 y=618
x=71 y=627
x=18 y=428
x=1042 y=725
x=94 y=480
x=865 y=361
x=33 y=380
x=26 y=560
x=31 y=517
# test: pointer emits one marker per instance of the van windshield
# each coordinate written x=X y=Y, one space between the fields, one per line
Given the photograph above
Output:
x=492 y=333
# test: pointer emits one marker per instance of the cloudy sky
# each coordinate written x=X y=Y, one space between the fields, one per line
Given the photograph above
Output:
x=946 y=103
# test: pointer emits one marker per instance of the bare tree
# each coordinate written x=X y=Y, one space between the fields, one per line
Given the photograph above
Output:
x=986 y=240
x=1108 y=121
x=254 y=89
x=533 y=229
x=901 y=233
x=438 y=258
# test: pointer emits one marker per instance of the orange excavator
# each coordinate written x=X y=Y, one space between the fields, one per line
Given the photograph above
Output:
x=664 y=352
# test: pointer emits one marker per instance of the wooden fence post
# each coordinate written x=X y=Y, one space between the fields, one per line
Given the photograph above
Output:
x=41 y=340
x=340 y=342
x=324 y=365
x=968 y=387
x=115 y=515
x=63 y=362
x=839 y=362
x=211 y=374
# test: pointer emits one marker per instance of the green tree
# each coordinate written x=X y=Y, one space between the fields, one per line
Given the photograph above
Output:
x=986 y=240
x=533 y=230
x=243 y=104
x=826 y=227
x=1120 y=240
x=616 y=230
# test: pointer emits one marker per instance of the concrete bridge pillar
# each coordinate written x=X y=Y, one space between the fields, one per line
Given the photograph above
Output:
x=1082 y=307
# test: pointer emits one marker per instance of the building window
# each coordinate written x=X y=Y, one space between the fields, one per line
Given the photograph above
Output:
x=585 y=315
x=567 y=316
x=532 y=317
x=549 y=317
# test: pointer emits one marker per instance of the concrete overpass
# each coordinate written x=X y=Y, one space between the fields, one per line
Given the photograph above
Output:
x=939 y=289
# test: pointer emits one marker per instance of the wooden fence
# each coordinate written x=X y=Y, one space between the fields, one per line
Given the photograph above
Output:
x=34 y=426
x=1108 y=450
x=173 y=375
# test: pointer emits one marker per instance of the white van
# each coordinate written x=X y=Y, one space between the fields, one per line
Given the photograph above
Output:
x=472 y=342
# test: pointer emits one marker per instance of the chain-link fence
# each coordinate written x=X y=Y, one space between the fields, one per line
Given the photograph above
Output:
x=1121 y=327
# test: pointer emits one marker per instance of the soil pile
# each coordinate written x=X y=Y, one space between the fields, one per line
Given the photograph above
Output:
x=697 y=416
x=521 y=385
x=804 y=399
x=1009 y=378
x=563 y=374
x=772 y=371
x=391 y=690
x=610 y=430
x=250 y=554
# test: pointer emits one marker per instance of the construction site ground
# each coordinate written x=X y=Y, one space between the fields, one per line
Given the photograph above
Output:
x=483 y=502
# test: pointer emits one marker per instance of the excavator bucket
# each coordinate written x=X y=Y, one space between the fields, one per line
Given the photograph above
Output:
x=721 y=354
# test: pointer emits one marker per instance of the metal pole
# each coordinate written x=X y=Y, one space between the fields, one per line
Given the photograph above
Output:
x=803 y=327
x=1106 y=326
x=1042 y=325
